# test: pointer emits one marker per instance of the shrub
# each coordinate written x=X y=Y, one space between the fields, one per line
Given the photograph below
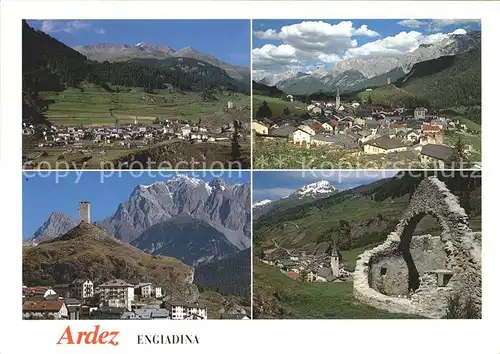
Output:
x=459 y=308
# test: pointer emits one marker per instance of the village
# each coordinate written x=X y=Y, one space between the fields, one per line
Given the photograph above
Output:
x=413 y=136
x=114 y=299
x=323 y=267
x=104 y=142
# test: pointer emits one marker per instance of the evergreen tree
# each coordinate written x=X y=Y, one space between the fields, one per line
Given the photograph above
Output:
x=459 y=157
x=286 y=112
x=264 y=111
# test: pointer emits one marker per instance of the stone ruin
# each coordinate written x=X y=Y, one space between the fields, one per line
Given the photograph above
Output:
x=417 y=274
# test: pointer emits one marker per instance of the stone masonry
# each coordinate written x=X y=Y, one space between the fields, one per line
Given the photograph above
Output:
x=454 y=266
x=84 y=211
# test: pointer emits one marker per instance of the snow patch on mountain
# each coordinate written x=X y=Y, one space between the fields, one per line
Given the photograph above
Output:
x=261 y=203
x=315 y=190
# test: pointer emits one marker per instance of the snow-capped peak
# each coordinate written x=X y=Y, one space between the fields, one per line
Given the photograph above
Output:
x=140 y=44
x=261 y=203
x=317 y=189
x=176 y=179
x=144 y=186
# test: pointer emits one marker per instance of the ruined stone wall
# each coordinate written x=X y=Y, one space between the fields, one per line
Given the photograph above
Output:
x=463 y=255
x=389 y=273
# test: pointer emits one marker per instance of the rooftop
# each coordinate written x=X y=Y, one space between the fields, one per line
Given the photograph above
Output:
x=440 y=152
x=386 y=143
x=116 y=283
x=46 y=305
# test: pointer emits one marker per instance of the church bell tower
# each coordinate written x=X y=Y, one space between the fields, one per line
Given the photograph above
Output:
x=334 y=261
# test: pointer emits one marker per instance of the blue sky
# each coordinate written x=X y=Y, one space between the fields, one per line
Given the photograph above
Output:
x=302 y=45
x=228 y=40
x=275 y=185
x=44 y=192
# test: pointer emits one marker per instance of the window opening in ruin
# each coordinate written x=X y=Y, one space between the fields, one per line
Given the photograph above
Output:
x=383 y=271
x=420 y=225
x=446 y=279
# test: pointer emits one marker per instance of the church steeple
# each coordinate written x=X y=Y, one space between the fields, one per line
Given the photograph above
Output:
x=337 y=100
x=334 y=250
x=334 y=261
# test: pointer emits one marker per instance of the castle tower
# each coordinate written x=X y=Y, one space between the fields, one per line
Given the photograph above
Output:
x=334 y=261
x=337 y=100
x=84 y=211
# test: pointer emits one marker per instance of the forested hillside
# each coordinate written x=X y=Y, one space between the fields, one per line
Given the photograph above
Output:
x=360 y=216
x=49 y=65
x=448 y=81
x=230 y=275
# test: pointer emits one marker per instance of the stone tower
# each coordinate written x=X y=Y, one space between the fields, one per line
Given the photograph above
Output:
x=337 y=100
x=84 y=211
x=388 y=80
x=334 y=261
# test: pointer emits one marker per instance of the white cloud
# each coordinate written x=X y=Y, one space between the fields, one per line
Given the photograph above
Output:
x=269 y=56
x=364 y=31
x=401 y=43
x=52 y=26
x=267 y=34
x=436 y=24
x=412 y=23
x=307 y=41
x=321 y=43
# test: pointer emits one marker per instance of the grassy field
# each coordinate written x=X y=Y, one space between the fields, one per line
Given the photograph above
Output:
x=282 y=297
x=386 y=95
x=277 y=105
x=91 y=105
x=450 y=138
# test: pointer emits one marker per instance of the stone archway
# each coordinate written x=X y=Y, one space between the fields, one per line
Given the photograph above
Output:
x=461 y=263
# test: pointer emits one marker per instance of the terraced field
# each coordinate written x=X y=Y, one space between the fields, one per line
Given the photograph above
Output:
x=92 y=105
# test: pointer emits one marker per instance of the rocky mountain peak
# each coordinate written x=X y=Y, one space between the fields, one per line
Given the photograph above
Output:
x=317 y=189
x=56 y=225
x=217 y=183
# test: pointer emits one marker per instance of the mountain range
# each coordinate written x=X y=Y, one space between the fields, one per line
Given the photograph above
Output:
x=357 y=217
x=52 y=66
x=184 y=217
x=113 y=52
x=305 y=194
x=356 y=74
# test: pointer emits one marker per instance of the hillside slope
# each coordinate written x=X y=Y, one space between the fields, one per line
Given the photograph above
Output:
x=230 y=275
x=88 y=251
x=357 y=217
x=448 y=81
